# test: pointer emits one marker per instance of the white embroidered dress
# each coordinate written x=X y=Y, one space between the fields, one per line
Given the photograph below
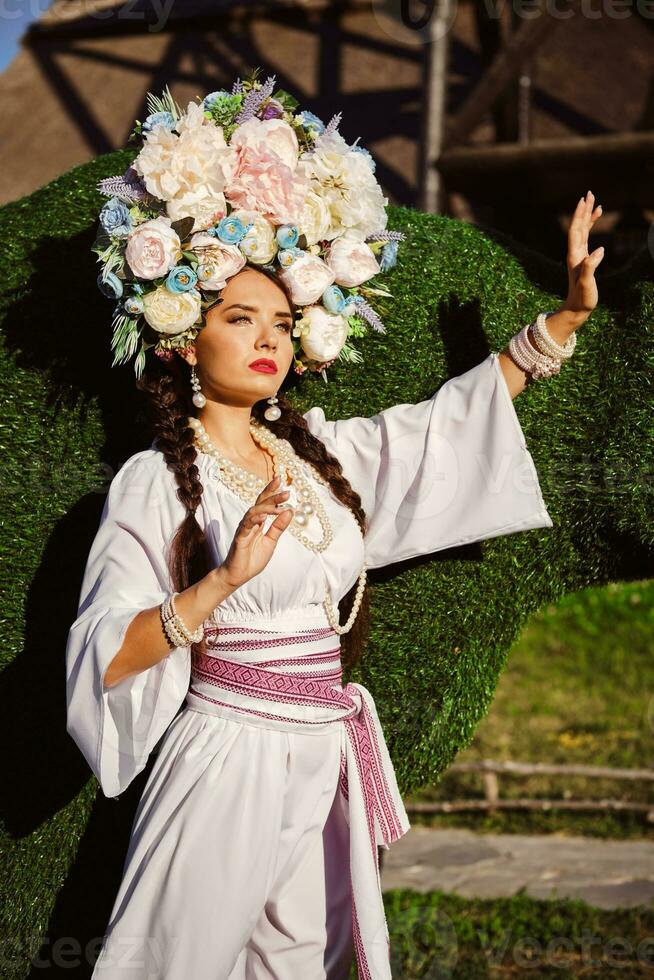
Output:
x=230 y=871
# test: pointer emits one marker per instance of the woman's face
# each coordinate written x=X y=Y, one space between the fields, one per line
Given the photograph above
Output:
x=253 y=322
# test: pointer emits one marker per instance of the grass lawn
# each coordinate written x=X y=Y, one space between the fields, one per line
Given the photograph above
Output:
x=444 y=937
x=578 y=687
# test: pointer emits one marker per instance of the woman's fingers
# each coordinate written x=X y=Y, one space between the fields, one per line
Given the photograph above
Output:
x=258 y=512
x=270 y=490
x=252 y=525
x=258 y=517
x=271 y=483
x=279 y=525
x=584 y=217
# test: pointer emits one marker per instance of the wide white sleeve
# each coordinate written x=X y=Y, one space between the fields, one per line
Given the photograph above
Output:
x=445 y=471
x=117 y=728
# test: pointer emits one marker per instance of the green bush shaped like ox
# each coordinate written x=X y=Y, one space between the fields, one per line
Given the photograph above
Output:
x=442 y=625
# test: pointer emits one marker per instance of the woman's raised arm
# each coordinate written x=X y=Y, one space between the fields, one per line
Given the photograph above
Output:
x=445 y=471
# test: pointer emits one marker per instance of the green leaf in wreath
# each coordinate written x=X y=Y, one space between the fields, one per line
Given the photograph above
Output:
x=286 y=99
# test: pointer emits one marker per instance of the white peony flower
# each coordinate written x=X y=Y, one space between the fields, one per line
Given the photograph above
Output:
x=352 y=261
x=260 y=244
x=343 y=179
x=201 y=203
x=275 y=134
x=307 y=279
x=172 y=165
x=326 y=334
x=218 y=260
x=315 y=218
x=171 y=313
x=153 y=248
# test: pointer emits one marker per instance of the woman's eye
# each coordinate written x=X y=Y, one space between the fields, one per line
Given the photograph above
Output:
x=283 y=324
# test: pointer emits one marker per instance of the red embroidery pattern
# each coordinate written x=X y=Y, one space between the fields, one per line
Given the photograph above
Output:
x=269 y=685
x=312 y=658
x=215 y=640
x=342 y=780
x=363 y=970
x=251 y=711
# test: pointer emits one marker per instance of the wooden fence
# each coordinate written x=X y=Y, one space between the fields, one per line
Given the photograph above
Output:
x=492 y=800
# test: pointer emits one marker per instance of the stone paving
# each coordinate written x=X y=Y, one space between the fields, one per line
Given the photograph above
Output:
x=604 y=873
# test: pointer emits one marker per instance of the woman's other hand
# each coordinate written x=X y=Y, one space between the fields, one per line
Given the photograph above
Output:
x=251 y=550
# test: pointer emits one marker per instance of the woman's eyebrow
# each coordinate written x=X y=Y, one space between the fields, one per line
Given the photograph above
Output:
x=255 y=309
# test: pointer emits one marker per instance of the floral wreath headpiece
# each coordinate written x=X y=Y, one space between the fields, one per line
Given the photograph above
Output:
x=242 y=177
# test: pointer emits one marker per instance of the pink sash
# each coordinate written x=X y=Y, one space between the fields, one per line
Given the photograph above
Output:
x=287 y=678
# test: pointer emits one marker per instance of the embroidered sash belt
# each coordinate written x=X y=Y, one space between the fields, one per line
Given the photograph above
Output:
x=286 y=678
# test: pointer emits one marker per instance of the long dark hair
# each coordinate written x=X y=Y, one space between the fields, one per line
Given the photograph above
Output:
x=167 y=390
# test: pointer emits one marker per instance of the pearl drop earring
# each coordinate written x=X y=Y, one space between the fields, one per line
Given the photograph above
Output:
x=272 y=413
x=198 y=398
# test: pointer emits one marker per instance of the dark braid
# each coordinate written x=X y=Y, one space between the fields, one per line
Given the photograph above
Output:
x=167 y=390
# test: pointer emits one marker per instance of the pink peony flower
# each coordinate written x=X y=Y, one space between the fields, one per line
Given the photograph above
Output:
x=153 y=248
x=218 y=261
x=268 y=134
x=307 y=278
x=263 y=183
x=352 y=261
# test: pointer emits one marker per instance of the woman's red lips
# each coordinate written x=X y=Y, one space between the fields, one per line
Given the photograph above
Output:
x=268 y=367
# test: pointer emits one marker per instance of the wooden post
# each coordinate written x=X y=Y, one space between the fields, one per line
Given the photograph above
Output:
x=433 y=116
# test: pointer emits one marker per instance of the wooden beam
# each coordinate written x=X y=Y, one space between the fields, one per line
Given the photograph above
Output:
x=552 y=769
x=618 y=168
x=580 y=806
x=505 y=68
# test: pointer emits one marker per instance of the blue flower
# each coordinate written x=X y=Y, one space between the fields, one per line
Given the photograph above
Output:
x=230 y=230
x=218 y=96
x=158 y=118
x=333 y=299
x=181 y=279
x=115 y=218
x=312 y=122
x=111 y=286
x=133 y=305
x=287 y=236
x=287 y=256
x=388 y=256
x=368 y=156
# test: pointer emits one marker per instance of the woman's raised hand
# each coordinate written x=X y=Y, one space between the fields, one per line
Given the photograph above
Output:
x=251 y=550
x=582 y=289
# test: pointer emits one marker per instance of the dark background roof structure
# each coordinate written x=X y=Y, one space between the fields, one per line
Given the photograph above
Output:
x=75 y=88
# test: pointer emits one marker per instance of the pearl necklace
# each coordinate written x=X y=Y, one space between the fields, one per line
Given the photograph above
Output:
x=285 y=461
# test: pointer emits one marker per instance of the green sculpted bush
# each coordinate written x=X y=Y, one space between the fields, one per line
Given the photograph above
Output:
x=442 y=625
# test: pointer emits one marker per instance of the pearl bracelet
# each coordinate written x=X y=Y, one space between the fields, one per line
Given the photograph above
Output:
x=547 y=343
x=174 y=626
x=530 y=359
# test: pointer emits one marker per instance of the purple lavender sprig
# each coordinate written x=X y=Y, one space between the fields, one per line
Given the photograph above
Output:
x=366 y=312
x=333 y=124
x=237 y=87
x=387 y=236
x=127 y=190
x=254 y=99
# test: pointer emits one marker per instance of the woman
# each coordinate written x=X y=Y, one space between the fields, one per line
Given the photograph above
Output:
x=253 y=851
